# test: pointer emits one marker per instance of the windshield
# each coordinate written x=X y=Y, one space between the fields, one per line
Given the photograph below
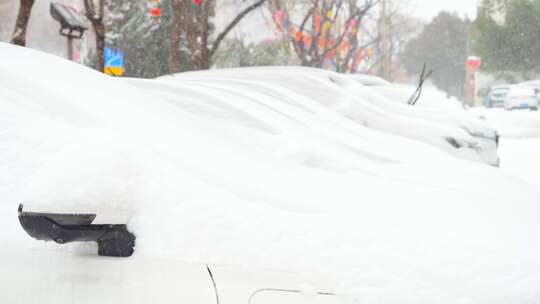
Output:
x=499 y=92
x=270 y=151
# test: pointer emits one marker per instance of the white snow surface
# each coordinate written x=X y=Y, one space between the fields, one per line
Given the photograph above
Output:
x=343 y=95
x=512 y=124
x=520 y=141
x=258 y=176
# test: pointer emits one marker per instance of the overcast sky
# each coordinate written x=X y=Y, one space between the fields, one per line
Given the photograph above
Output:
x=427 y=9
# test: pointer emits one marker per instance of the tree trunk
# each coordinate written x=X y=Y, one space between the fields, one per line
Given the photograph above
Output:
x=19 y=34
x=176 y=31
x=205 y=52
x=95 y=15
x=99 y=30
x=197 y=31
x=201 y=62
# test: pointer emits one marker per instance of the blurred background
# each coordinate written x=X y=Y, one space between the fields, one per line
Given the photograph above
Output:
x=469 y=45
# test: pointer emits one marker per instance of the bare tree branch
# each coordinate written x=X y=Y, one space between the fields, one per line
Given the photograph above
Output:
x=236 y=20
x=358 y=15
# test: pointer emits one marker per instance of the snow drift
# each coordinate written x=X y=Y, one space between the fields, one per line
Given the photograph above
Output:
x=361 y=104
x=261 y=178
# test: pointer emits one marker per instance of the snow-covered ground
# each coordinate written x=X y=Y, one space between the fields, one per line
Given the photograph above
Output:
x=215 y=175
x=521 y=157
x=512 y=124
x=520 y=141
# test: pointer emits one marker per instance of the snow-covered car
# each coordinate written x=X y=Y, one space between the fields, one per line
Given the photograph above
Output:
x=439 y=109
x=534 y=84
x=521 y=97
x=255 y=186
x=496 y=96
x=473 y=139
x=67 y=124
x=369 y=80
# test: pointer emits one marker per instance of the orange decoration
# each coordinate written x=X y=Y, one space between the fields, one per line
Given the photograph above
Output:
x=155 y=12
x=316 y=22
x=307 y=40
x=298 y=36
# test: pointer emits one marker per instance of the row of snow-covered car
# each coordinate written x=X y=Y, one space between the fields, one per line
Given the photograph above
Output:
x=42 y=95
x=525 y=95
x=435 y=120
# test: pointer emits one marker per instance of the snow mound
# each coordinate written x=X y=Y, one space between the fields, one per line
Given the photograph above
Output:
x=258 y=175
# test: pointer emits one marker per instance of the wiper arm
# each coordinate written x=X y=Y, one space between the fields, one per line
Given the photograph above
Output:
x=423 y=77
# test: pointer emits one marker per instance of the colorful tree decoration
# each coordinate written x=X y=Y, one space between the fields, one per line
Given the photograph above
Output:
x=155 y=9
x=297 y=36
x=353 y=66
x=344 y=47
x=281 y=19
x=329 y=14
x=327 y=35
x=321 y=43
x=327 y=25
x=369 y=52
x=155 y=12
x=278 y=16
x=316 y=22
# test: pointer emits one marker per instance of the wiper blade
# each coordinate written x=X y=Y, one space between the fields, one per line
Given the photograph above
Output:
x=423 y=77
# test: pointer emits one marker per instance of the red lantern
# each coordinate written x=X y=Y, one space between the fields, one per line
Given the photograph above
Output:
x=155 y=12
x=196 y=2
x=473 y=63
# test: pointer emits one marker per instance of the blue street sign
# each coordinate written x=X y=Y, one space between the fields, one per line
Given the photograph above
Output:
x=114 y=58
x=114 y=62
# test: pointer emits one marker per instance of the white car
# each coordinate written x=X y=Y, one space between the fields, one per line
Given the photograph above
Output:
x=533 y=84
x=439 y=109
x=521 y=97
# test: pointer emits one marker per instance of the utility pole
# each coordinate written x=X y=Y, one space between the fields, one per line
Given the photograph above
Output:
x=70 y=48
x=386 y=59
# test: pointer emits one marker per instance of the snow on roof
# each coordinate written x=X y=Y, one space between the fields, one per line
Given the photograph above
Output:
x=501 y=87
x=531 y=83
x=521 y=90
